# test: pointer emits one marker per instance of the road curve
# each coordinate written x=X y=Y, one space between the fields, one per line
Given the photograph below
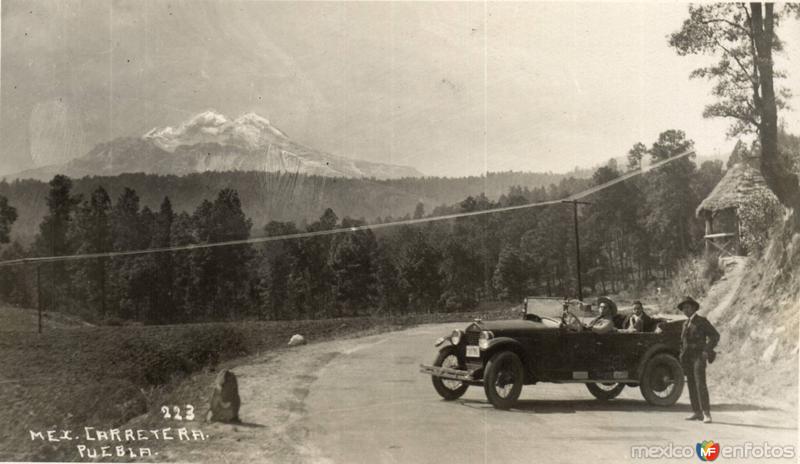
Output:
x=363 y=400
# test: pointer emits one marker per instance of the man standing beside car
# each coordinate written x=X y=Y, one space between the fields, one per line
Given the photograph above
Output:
x=698 y=339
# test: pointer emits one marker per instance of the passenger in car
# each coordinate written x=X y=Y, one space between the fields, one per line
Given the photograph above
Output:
x=639 y=321
x=604 y=323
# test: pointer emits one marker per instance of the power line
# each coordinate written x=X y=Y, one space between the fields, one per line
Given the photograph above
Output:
x=319 y=233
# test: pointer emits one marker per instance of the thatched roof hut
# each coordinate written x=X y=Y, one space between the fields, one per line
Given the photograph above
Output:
x=741 y=181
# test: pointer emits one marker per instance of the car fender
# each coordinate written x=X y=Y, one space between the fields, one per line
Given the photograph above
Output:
x=652 y=351
x=506 y=343
x=442 y=342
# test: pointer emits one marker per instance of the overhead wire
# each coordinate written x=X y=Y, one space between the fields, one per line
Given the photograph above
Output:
x=319 y=233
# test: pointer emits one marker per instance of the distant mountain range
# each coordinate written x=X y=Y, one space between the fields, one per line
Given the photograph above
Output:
x=210 y=141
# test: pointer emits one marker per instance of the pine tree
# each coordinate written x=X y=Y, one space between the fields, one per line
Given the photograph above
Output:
x=462 y=276
x=391 y=297
x=419 y=273
x=127 y=286
x=352 y=262
x=163 y=306
x=53 y=240
x=510 y=277
x=8 y=214
x=223 y=279
x=670 y=198
x=17 y=283
x=312 y=281
x=91 y=232
x=182 y=232
x=419 y=210
x=275 y=270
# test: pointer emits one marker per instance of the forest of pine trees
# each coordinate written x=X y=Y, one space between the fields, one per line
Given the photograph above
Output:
x=633 y=234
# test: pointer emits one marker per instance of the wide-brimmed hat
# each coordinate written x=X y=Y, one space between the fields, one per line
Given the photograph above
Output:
x=689 y=301
x=611 y=305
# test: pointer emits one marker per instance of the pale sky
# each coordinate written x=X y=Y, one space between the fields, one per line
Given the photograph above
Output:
x=449 y=88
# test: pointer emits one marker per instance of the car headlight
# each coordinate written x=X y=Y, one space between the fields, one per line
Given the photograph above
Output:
x=483 y=339
x=455 y=337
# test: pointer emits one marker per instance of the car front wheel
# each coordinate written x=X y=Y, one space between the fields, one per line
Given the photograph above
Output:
x=605 y=391
x=503 y=379
x=662 y=380
x=448 y=389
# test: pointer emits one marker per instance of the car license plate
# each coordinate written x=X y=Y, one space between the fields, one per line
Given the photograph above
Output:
x=473 y=352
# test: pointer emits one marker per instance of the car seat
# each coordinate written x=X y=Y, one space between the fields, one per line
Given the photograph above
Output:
x=619 y=321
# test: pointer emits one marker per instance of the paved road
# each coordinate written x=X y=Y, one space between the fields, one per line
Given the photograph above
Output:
x=362 y=400
x=371 y=405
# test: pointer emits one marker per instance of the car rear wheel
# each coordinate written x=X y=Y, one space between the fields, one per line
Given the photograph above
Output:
x=662 y=380
x=606 y=390
x=448 y=389
x=503 y=379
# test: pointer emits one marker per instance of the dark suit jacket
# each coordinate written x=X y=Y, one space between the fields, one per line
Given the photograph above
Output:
x=642 y=325
x=698 y=335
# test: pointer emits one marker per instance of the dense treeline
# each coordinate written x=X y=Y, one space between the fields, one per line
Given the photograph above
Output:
x=276 y=196
x=632 y=234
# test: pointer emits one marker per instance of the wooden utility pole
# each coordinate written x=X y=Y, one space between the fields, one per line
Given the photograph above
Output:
x=39 y=293
x=575 y=204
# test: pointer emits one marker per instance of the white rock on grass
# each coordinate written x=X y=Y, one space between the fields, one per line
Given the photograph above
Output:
x=296 y=340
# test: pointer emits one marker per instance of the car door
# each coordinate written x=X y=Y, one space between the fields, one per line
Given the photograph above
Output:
x=618 y=353
x=580 y=349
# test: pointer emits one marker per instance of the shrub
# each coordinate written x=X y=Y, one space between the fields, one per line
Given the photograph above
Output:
x=757 y=215
x=711 y=269
x=112 y=321
x=689 y=279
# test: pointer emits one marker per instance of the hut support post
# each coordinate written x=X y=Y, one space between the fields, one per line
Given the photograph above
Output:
x=709 y=229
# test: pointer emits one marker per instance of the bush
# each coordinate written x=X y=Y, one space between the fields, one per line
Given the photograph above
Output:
x=688 y=280
x=711 y=269
x=157 y=362
x=454 y=302
x=112 y=321
x=757 y=215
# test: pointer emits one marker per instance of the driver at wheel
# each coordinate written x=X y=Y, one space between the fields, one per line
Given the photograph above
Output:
x=604 y=323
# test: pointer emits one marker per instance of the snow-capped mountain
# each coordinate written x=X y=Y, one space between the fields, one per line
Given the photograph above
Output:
x=249 y=131
x=211 y=141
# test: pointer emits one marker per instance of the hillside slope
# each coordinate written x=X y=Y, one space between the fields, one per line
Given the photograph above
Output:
x=756 y=308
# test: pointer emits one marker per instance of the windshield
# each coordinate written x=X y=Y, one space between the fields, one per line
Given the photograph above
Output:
x=552 y=307
x=545 y=307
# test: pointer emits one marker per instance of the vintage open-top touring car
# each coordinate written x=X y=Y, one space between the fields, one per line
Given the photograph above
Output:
x=505 y=355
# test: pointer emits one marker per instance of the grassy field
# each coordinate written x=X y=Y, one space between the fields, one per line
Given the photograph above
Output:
x=74 y=375
x=27 y=320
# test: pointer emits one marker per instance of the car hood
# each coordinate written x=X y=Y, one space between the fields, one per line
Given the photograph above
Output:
x=514 y=325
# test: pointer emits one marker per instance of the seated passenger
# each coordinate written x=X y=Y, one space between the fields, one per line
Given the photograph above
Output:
x=639 y=321
x=604 y=323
